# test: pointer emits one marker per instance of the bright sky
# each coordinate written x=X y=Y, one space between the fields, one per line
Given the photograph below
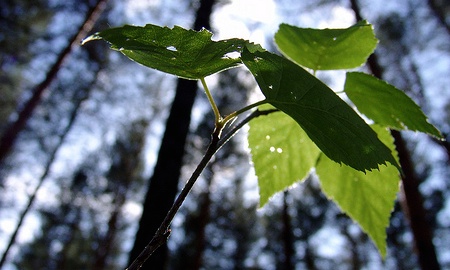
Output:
x=232 y=20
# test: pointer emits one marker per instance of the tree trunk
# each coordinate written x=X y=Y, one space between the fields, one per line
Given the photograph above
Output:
x=422 y=232
x=164 y=182
x=309 y=257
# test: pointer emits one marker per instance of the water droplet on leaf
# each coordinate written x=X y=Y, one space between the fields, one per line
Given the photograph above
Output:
x=171 y=48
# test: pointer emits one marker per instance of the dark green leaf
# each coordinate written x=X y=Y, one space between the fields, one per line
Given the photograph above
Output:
x=184 y=53
x=331 y=124
x=326 y=49
x=385 y=104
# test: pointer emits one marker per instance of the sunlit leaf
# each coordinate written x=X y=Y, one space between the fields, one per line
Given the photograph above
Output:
x=281 y=151
x=185 y=53
x=385 y=104
x=331 y=124
x=367 y=198
x=326 y=49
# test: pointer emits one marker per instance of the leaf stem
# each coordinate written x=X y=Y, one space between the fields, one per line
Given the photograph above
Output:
x=163 y=231
x=217 y=115
x=246 y=108
x=244 y=121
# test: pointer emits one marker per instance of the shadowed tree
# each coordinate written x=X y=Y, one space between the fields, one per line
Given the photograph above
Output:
x=213 y=209
x=164 y=182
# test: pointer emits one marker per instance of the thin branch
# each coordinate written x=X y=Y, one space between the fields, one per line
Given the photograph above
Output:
x=163 y=231
x=246 y=108
x=244 y=121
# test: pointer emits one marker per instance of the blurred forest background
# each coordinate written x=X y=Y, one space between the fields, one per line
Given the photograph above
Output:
x=91 y=142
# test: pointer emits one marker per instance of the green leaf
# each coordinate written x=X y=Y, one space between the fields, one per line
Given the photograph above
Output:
x=330 y=123
x=185 y=53
x=367 y=198
x=327 y=49
x=281 y=151
x=385 y=104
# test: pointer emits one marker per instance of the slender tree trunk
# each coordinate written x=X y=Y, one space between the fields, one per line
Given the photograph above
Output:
x=164 y=182
x=309 y=257
x=10 y=135
x=422 y=232
x=414 y=210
